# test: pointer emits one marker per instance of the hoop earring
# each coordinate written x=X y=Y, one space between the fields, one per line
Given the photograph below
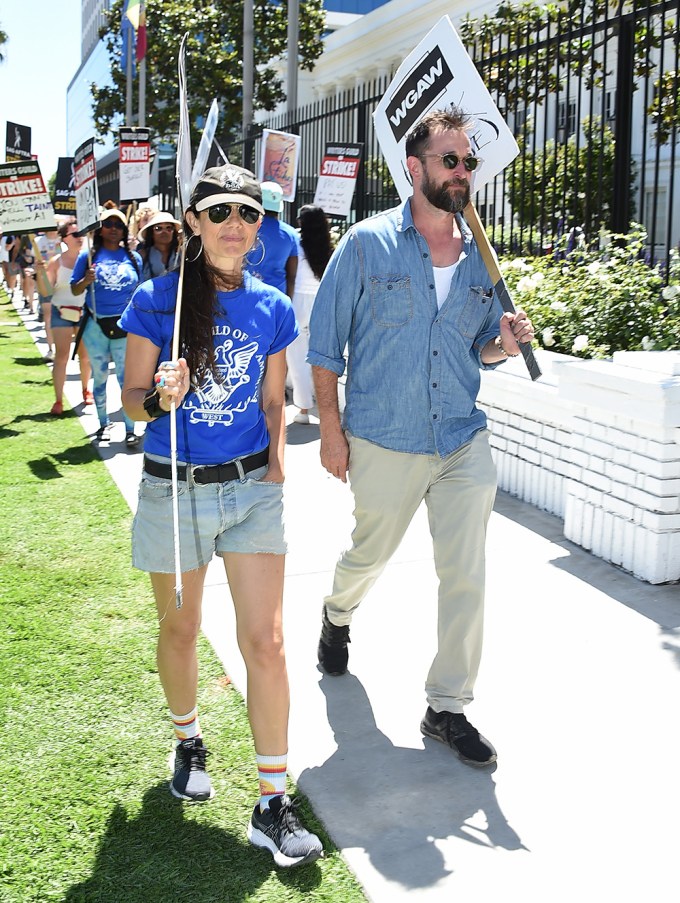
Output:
x=263 y=252
x=200 y=250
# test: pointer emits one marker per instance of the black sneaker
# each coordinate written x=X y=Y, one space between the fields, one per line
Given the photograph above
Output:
x=279 y=830
x=332 y=653
x=191 y=781
x=104 y=433
x=457 y=732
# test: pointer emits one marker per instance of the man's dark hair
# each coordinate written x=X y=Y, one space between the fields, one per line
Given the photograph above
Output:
x=451 y=118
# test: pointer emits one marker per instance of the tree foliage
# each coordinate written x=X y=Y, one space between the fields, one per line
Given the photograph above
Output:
x=3 y=41
x=214 y=61
x=522 y=61
x=565 y=184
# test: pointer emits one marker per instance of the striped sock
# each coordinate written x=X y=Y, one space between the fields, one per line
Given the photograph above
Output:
x=186 y=726
x=272 y=771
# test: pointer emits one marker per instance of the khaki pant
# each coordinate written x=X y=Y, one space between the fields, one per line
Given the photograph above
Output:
x=459 y=492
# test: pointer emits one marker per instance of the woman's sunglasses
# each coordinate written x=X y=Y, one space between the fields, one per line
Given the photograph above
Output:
x=450 y=161
x=113 y=224
x=167 y=228
x=220 y=213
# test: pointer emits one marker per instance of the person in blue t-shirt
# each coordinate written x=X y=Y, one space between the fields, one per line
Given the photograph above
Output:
x=114 y=274
x=227 y=387
x=279 y=244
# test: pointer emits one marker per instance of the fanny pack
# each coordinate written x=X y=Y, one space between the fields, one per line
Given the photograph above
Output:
x=70 y=313
x=109 y=326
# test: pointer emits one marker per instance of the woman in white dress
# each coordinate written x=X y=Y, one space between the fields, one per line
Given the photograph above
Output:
x=316 y=248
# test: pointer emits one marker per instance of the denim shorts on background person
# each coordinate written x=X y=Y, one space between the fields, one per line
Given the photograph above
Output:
x=236 y=516
x=58 y=320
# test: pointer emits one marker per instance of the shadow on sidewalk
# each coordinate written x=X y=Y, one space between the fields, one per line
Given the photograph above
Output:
x=160 y=855
x=387 y=799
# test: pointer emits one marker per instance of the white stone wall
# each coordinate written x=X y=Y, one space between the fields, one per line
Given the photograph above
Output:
x=596 y=443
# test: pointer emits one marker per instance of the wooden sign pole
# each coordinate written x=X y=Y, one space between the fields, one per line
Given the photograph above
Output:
x=501 y=289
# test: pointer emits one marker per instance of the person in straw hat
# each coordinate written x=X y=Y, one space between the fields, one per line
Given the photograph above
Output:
x=159 y=245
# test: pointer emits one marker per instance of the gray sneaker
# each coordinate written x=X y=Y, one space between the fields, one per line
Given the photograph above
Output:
x=191 y=781
x=278 y=829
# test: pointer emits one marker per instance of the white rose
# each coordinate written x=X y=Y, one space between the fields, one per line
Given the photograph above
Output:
x=537 y=278
x=580 y=343
x=525 y=284
x=647 y=343
x=558 y=305
x=670 y=292
x=548 y=337
x=593 y=267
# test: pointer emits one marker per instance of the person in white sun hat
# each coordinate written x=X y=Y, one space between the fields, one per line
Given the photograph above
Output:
x=159 y=245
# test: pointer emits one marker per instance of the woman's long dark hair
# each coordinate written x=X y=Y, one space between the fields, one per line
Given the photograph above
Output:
x=200 y=308
x=315 y=238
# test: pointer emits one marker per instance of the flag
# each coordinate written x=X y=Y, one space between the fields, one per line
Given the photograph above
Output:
x=134 y=13
x=141 y=34
x=125 y=30
x=183 y=165
x=134 y=10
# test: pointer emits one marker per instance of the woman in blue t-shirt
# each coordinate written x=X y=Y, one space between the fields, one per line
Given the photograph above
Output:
x=228 y=388
x=114 y=273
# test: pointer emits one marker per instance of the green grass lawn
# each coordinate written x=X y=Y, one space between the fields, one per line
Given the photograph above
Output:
x=85 y=812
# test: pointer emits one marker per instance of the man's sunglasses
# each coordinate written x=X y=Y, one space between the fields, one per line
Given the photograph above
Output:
x=220 y=213
x=113 y=224
x=450 y=161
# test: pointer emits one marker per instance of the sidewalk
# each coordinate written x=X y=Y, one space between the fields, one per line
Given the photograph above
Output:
x=578 y=691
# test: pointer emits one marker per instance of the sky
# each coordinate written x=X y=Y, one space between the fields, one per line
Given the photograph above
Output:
x=42 y=55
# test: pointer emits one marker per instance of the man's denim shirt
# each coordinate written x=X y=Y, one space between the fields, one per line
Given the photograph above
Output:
x=412 y=370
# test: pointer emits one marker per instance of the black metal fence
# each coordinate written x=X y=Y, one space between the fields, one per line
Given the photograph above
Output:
x=592 y=95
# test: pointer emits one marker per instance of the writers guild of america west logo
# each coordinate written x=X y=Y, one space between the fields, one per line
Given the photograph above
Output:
x=232 y=180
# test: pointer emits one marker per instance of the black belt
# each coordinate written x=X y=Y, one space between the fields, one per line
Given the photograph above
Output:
x=210 y=473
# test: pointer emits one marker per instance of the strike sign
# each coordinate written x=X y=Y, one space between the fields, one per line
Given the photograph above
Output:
x=437 y=73
x=87 y=192
x=338 y=178
x=134 y=163
x=25 y=205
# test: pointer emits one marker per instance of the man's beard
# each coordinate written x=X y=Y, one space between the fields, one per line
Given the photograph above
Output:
x=441 y=197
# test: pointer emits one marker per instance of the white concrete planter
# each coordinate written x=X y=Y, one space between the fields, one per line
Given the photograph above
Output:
x=598 y=444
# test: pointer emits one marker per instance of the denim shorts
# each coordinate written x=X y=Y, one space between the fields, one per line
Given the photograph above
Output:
x=237 y=516
x=60 y=321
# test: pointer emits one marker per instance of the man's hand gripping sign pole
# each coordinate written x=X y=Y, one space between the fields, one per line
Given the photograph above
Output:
x=436 y=73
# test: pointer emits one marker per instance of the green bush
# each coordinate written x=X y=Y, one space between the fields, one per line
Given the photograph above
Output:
x=593 y=303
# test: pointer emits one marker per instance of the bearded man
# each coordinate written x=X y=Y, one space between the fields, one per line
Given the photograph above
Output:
x=408 y=295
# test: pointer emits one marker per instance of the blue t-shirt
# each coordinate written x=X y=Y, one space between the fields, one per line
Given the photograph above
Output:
x=216 y=422
x=280 y=242
x=115 y=280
